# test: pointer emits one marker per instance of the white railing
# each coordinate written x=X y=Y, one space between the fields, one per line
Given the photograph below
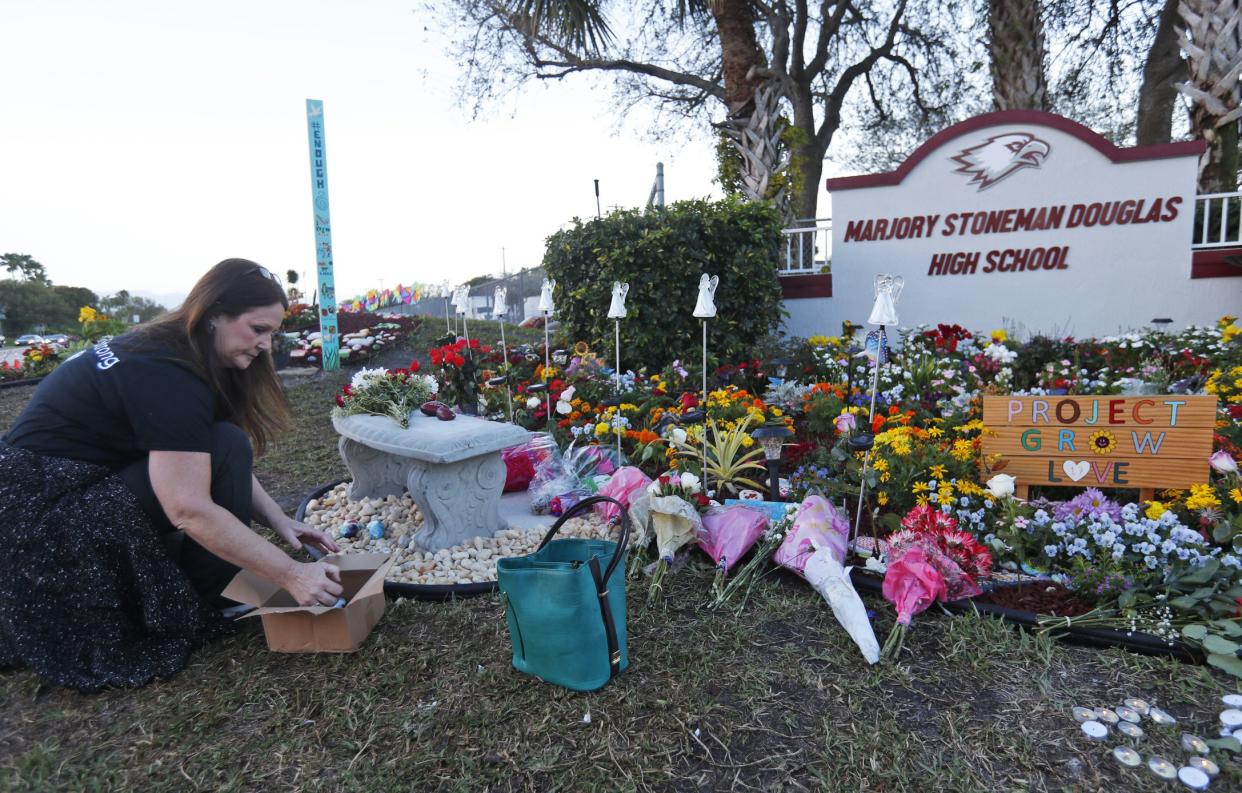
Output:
x=807 y=248
x=1218 y=220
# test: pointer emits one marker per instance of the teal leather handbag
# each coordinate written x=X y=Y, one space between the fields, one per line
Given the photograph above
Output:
x=566 y=605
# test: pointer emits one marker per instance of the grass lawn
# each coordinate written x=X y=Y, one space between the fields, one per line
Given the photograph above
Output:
x=772 y=698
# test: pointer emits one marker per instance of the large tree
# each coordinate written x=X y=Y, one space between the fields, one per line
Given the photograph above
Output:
x=24 y=265
x=748 y=66
x=1211 y=37
x=1017 y=55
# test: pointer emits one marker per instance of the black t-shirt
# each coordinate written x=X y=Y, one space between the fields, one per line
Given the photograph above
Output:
x=113 y=403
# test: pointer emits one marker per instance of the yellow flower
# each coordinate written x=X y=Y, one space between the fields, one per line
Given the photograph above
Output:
x=86 y=314
x=819 y=341
x=963 y=450
x=747 y=441
x=1202 y=497
x=626 y=407
x=1228 y=333
x=776 y=412
x=601 y=429
x=882 y=497
x=922 y=501
x=937 y=472
x=1236 y=495
x=885 y=476
x=1103 y=442
x=1155 y=509
x=918 y=487
x=880 y=464
x=934 y=432
x=999 y=335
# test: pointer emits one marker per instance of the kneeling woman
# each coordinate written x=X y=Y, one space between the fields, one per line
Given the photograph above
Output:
x=126 y=491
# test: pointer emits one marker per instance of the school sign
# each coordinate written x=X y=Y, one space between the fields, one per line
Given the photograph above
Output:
x=1027 y=220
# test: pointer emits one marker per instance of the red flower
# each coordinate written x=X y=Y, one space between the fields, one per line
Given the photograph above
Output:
x=474 y=344
x=340 y=401
x=689 y=400
x=348 y=390
x=701 y=499
x=435 y=357
x=415 y=366
x=458 y=361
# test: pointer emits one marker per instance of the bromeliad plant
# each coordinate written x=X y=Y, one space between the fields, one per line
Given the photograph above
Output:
x=381 y=392
x=728 y=461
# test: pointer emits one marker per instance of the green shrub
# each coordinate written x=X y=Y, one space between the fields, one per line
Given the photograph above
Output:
x=661 y=253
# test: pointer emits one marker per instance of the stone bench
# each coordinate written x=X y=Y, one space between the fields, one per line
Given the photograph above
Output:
x=452 y=469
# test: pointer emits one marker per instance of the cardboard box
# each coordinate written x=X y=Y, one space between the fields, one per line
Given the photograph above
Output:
x=291 y=628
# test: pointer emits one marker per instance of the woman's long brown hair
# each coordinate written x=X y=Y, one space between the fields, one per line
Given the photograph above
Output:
x=252 y=397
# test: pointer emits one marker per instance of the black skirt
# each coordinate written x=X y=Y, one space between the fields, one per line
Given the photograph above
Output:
x=88 y=595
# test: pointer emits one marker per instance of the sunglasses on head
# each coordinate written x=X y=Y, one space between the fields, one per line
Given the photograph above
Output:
x=266 y=273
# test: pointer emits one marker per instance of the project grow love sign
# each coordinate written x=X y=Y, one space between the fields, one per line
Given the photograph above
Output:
x=1140 y=441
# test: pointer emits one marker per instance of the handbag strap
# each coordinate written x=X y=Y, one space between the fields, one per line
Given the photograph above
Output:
x=583 y=506
x=605 y=610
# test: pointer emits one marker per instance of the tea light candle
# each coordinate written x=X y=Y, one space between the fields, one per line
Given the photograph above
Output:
x=1083 y=714
x=1129 y=714
x=1204 y=764
x=1193 y=743
x=1130 y=730
x=1106 y=715
x=1162 y=768
x=1231 y=719
x=1140 y=706
x=1232 y=700
x=1094 y=730
x=1127 y=756
x=1160 y=717
x=1193 y=778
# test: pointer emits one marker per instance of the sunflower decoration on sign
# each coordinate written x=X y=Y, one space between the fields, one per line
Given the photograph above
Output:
x=1103 y=442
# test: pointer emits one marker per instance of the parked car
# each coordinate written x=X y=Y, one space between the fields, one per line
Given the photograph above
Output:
x=29 y=340
x=58 y=340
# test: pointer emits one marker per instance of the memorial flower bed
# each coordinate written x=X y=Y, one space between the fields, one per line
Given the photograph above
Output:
x=361 y=336
x=1166 y=563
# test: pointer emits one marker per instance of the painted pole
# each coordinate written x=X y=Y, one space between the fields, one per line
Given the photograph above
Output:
x=328 y=328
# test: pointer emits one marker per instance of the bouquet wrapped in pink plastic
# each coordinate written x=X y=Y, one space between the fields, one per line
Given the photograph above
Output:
x=729 y=532
x=815 y=549
x=930 y=560
x=624 y=485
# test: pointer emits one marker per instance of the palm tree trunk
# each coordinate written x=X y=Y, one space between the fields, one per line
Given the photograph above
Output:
x=1016 y=46
x=1161 y=71
x=1212 y=42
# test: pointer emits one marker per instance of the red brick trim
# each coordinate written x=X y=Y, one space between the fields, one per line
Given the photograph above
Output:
x=794 y=287
x=1210 y=263
x=1101 y=144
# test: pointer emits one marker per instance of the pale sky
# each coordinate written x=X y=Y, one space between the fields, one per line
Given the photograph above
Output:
x=144 y=140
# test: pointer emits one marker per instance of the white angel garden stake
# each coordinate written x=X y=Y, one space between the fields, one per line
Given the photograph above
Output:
x=499 y=310
x=883 y=312
x=461 y=301
x=617 y=308
x=617 y=312
x=547 y=307
x=705 y=309
x=445 y=293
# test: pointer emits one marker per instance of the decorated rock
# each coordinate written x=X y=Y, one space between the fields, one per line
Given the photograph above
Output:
x=350 y=530
x=429 y=408
x=376 y=529
x=444 y=413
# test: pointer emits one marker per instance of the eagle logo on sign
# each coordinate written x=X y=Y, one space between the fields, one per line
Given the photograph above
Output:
x=999 y=156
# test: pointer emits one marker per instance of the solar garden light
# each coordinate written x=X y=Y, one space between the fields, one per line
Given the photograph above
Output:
x=772 y=438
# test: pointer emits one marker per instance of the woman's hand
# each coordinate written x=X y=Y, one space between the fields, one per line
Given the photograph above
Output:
x=314 y=583
x=297 y=533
